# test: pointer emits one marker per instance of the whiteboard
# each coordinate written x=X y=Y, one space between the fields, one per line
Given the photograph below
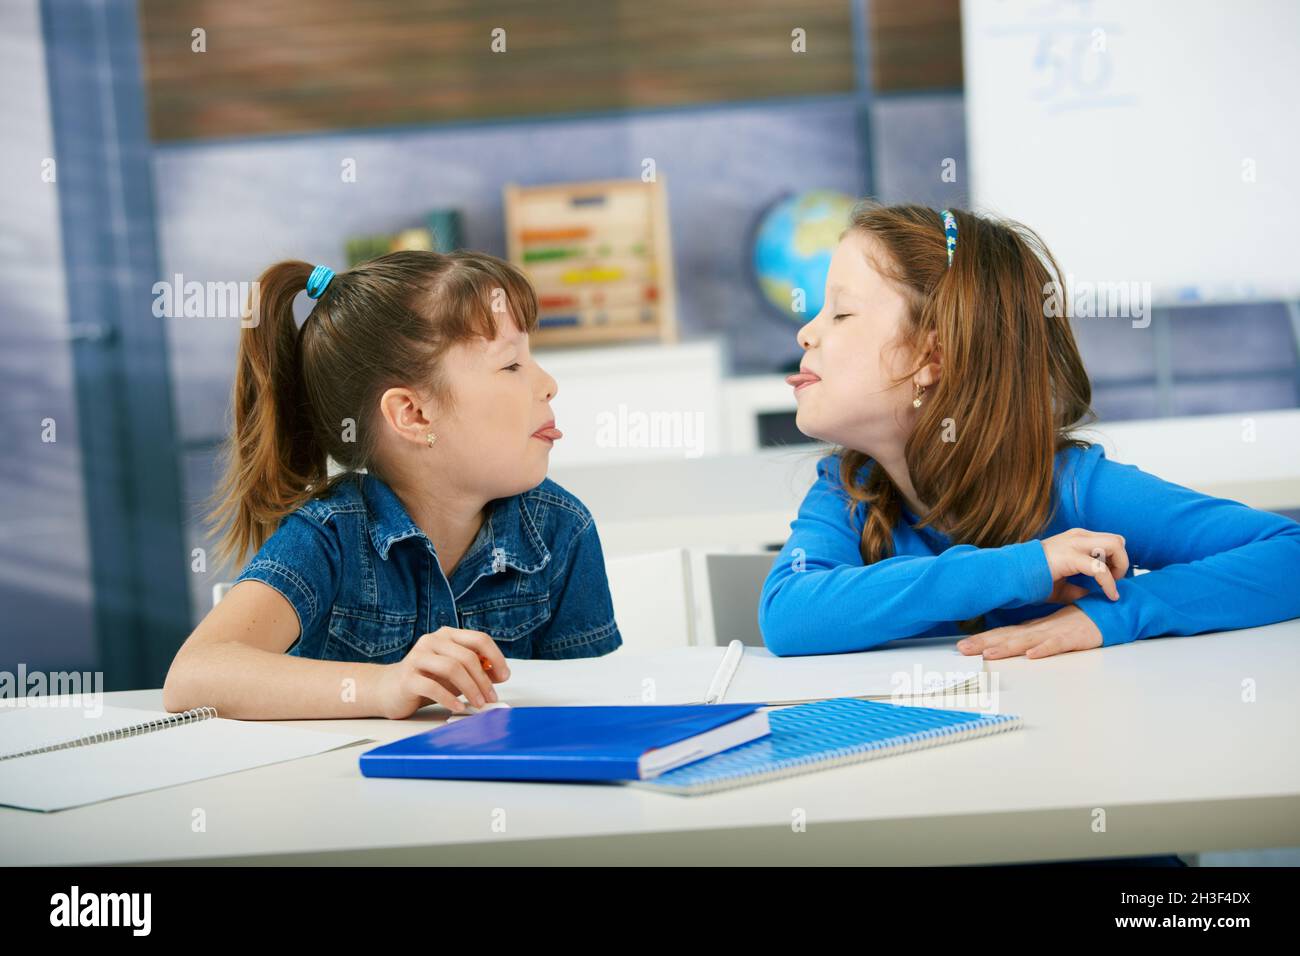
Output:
x=1147 y=141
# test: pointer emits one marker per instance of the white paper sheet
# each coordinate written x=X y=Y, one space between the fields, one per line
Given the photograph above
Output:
x=682 y=675
x=179 y=754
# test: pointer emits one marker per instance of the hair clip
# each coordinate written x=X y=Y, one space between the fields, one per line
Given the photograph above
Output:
x=320 y=278
x=950 y=233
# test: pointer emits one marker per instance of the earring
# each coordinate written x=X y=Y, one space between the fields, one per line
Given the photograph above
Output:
x=431 y=439
x=920 y=390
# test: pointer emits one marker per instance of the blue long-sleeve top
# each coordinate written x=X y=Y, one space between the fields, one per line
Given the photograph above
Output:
x=1211 y=564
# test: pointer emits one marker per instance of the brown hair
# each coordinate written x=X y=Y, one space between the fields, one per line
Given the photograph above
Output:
x=1012 y=385
x=303 y=394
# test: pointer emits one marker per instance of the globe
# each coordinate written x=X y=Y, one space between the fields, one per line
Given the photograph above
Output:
x=793 y=246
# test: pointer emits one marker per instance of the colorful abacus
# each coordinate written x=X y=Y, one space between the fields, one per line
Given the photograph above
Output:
x=600 y=257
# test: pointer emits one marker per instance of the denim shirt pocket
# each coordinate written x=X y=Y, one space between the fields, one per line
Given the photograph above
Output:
x=507 y=619
x=369 y=636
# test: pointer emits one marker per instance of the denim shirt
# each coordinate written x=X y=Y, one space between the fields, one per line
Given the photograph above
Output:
x=366 y=583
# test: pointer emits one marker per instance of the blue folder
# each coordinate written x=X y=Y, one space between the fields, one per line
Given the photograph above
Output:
x=547 y=743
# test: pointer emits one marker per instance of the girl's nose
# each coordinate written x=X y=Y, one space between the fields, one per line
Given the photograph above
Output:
x=804 y=336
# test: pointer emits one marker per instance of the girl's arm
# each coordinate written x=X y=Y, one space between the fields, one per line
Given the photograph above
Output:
x=235 y=661
x=1215 y=564
x=819 y=598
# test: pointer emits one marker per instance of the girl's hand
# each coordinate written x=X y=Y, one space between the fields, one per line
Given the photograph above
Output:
x=1080 y=551
x=1068 y=629
x=439 y=668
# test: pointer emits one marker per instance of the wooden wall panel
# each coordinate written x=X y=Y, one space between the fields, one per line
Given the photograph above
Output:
x=916 y=45
x=277 y=66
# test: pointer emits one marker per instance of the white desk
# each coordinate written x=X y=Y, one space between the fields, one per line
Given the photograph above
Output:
x=1154 y=733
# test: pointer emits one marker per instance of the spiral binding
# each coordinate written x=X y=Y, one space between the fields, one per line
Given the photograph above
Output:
x=121 y=733
x=829 y=712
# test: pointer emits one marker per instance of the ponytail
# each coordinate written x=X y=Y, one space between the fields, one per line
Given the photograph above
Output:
x=272 y=462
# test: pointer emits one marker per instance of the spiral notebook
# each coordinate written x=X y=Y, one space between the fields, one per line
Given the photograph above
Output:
x=54 y=757
x=825 y=734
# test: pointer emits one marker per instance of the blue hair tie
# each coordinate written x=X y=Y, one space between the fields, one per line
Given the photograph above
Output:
x=950 y=233
x=319 y=279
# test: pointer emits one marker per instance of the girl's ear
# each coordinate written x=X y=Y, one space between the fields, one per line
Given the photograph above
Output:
x=407 y=413
x=932 y=370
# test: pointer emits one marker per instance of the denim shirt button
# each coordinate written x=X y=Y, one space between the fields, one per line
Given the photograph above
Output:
x=498 y=560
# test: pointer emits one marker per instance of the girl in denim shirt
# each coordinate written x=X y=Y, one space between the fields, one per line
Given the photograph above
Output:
x=378 y=593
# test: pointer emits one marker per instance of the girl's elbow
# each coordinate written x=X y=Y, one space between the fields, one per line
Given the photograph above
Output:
x=776 y=624
x=175 y=697
x=777 y=639
x=178 y=691
x=770 y=640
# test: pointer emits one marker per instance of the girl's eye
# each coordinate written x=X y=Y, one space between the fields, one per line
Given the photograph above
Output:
x=512 y=368
x=842 y=315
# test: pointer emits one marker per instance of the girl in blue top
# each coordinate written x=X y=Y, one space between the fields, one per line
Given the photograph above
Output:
x=945 y=369
x=376 y=593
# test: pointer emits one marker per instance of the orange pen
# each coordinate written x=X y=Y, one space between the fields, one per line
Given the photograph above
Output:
x=487 y=669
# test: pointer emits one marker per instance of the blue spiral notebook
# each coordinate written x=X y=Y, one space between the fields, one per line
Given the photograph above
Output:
x=828 y=733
